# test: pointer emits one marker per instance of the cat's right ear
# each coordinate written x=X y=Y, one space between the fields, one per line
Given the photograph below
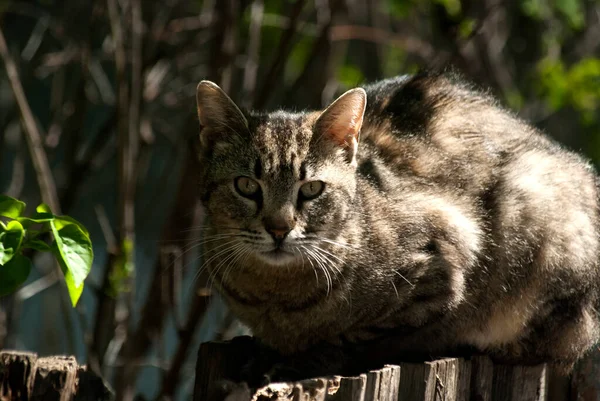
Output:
x=342 y=120
x=218 y=114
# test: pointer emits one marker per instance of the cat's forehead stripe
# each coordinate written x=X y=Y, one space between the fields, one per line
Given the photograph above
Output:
x=302 y=174
x=280 y=141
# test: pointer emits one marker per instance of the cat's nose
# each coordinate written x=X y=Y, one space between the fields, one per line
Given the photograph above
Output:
x=278 y=228
x=279 y=234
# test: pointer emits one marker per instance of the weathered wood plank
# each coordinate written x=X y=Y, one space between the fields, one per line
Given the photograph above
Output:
x=464 y=380
x=453 y=377
x=305 y=390
x=394 y=382
x=585 y=385
x=351 y=388
x=24 y=376
x=558 y=385
x=417 y=382
x=482 y=378
x=445 y=380
x=373 y=383
x=217 y=363
x=55 y=379
x=449 y=379
x=17 y=371
x=519 y=383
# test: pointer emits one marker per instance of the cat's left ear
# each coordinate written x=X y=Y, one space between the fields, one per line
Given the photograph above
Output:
x=220 y=118
x=342 y=120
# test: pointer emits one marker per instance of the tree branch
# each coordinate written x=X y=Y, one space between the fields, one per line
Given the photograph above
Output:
x=171 y=379
x=281 y=55
x=32 y=133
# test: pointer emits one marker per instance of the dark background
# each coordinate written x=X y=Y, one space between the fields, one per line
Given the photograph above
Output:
x=111 y=84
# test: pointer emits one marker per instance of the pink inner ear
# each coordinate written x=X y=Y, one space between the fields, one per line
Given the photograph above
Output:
x=345 y=118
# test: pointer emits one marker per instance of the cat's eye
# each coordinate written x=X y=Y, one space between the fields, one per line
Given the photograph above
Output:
x=247 y=186
x=312 y=189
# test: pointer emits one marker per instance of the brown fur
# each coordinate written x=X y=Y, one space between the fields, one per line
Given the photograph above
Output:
x=454 y=224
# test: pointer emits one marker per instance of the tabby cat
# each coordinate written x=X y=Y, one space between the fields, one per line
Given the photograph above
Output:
x=416 y=215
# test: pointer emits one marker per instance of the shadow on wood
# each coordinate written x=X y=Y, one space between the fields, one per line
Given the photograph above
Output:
x=453 y=379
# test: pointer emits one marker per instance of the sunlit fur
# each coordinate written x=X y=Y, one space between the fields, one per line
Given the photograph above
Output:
x=452 y=224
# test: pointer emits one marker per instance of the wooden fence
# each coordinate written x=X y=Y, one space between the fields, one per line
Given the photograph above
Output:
x=24 y=376
x=477 y=379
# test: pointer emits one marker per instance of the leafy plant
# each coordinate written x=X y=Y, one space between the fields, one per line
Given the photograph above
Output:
x=71 y=245
x=577 y=86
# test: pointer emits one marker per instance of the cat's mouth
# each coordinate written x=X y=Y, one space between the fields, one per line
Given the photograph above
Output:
x=278 y=255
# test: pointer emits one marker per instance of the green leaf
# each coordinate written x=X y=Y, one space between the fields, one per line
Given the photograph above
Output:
x=10 y=207
x=572 y=11
x=537 y=9
x=73 y=249
x=298 y=57
x=349 y=75
x=453 y=7
x=466 y=28
x=43 y=208
x=10 y=241
x=37 y=244
x=399 y=8
x=124 y=269
x=37 y=218
x=63 y=221
x=13 y=274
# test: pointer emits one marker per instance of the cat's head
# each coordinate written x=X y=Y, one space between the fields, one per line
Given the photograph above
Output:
x=278 y=186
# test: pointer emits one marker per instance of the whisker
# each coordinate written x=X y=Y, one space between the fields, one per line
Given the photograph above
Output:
x=329 y=262
x=330 y=254
x=222 y=251
x=395 y=289
x=322 y=267
x=226 y=260
x=311 y=263
x=184 y=251
x=404 y=278
x=232 y=264
x=340 y=244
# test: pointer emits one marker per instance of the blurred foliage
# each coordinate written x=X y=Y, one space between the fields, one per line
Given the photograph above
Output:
x=577 y=86
x=571 y=11
x=539 y=57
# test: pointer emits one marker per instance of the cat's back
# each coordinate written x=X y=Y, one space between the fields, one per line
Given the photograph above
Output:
x=441 y=128
x=535 y=202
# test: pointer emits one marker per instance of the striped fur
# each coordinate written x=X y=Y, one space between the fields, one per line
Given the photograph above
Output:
x=452 y=224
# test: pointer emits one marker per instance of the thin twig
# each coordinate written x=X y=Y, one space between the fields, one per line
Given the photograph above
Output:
x=321 y=47
x=154 y=312
x=281 y=55
x=171 y=379
x=128 y=134
x=105 y=321
x=31 y=131
x=17 y=182
x=38 y=286
x=411 y=44
x=252 y=57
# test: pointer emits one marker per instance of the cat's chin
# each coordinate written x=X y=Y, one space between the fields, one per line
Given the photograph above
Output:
x=277 y=257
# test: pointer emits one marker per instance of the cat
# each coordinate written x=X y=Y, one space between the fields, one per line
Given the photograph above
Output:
x=415 y=215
